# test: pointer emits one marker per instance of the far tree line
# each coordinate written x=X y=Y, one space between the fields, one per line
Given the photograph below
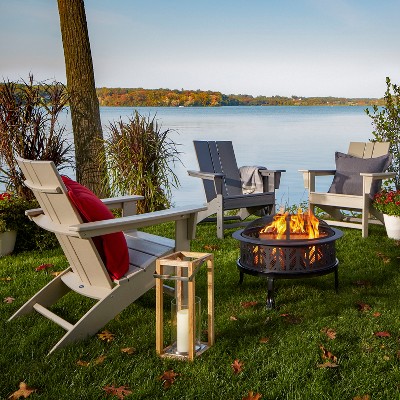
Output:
x=139 y=97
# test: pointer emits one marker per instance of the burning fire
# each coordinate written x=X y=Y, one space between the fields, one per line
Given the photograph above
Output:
x=301 y=225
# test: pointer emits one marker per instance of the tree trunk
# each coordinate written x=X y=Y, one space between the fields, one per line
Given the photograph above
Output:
x=84 y=104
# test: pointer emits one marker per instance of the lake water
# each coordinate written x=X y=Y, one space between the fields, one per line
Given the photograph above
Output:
x=289 y=138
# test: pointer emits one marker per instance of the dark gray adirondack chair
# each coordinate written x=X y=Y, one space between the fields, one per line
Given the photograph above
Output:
x=223 y=187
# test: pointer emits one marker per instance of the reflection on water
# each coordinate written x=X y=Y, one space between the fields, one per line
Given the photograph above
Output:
x=289 y=138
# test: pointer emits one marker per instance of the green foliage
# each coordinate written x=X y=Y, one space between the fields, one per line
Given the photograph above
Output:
x=139 y=97
x=29 y=129
x=139 y=156
x=13 y=218
x=386 y=123
x=388 y=202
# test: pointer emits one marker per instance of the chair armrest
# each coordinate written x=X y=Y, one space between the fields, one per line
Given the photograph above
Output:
x=92 y=229
x=126 y=203
x=369 y=177
x=319 y=172
x=271 y=184
x=378 y=175
x=205 y=175
x=33 y=213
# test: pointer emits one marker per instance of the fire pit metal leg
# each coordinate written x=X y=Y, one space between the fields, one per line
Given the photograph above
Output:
x=241 y=276
x=270 y=294
x=336 y=279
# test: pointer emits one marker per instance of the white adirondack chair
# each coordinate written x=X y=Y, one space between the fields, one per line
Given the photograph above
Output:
x=332 y=203
x=87 y=274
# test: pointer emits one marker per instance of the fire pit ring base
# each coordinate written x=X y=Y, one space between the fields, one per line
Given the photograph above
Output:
x=271 y=276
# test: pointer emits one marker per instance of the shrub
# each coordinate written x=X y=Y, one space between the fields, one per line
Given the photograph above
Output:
x=139 y=157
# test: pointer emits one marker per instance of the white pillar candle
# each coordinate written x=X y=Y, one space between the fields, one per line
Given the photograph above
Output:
x=182 y=334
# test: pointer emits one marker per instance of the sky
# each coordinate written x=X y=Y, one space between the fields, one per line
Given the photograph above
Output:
x=343 y=48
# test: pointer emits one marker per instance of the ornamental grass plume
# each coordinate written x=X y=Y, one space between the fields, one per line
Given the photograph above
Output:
x=388 y=202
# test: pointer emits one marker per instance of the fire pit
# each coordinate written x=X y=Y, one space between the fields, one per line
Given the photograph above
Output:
x=287 y=246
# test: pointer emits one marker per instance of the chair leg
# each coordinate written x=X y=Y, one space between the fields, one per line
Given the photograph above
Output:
x=47 y=296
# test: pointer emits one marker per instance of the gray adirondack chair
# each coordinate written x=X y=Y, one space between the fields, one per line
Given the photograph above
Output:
x=87 y=274
x=223 y=186
x=333 y=203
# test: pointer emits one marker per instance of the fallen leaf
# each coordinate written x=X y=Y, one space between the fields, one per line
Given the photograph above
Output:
x=327 y=355
x=264 y=340
x=382 y=334
x=328 y=364
x=252 y=396
x=363 y=307
x=210 y=247
x=329 y=332
x=233 y=318
x=237 y=367
x=128 y=350
x=8 y=300
x=363 y=397
x=248 y=304
x=6 y=279
x=99 y=360
x=384 y=257
x=386 y=358
x=43 y=266
x=82 y=363
x=376 y=314
x=168 y=378
x=120 y=392
x=106 y=336
x=56 y=273
x=23 y=391
x=362 y=283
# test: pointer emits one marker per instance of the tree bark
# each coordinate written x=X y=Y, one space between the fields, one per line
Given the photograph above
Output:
x=84 y=104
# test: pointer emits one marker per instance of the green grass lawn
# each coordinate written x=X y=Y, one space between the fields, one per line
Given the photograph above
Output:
x=280 y=350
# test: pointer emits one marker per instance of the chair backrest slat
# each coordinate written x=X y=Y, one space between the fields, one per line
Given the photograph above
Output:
x=229 y=167
x=82 y=254
x=368 y=149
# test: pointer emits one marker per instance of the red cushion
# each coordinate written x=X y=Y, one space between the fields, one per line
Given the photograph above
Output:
x=112 y=247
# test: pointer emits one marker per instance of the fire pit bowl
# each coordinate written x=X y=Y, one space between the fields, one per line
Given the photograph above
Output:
x=265 y=253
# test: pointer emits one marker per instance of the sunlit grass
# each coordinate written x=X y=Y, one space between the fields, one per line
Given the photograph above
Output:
x=283 y=365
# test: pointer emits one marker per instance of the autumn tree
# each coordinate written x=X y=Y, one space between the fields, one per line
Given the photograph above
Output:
x=84 y=104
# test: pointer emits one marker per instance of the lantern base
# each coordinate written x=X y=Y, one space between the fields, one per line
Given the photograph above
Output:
x=171 y=352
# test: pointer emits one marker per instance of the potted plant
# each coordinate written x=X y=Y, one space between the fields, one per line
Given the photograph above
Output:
x=387 y=201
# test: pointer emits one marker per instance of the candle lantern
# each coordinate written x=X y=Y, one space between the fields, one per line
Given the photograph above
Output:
x=182 y=267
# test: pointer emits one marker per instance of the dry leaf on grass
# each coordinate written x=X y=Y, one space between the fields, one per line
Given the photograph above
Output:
x=382 y=334
x=362 y=283
x=99 y=360
x=120 y=392
x=43 y=267
x=363 y=397
x=264 y=340
x=385 y=258
x=106 y=336
x=252 y=396
x=6 y=279
x=128 y=350
x=8 y=300
x=363 y=306
x=56 y=273
x=329 y=332
x=237 y=367
x=248 y=304
x=168 y=378
x=327 y=355
x=23 y=391
x=328 y=364
x=233 y=318
x=83 y=363
x=210 y=247
x=376 y=314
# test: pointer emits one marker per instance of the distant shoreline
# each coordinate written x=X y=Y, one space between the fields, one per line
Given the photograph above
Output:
x=138 y=97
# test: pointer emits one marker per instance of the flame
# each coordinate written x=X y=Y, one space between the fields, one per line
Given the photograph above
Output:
x=302 y=224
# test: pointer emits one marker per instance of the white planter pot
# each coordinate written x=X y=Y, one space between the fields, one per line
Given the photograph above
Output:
x=392 y=225
x=7 y=242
